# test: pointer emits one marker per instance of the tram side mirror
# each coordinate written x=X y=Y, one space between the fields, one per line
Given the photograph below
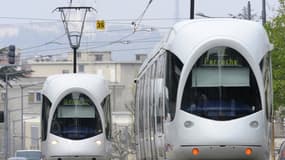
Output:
x=1 y=116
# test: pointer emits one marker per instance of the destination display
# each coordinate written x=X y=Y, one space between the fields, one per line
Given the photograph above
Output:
x=223 y=62
x=80 y=101
x=221 y=56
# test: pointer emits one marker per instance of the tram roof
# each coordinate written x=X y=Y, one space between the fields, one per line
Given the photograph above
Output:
x=186 y=36
x=57 y=84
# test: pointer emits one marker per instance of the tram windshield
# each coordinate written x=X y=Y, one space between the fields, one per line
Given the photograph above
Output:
x=76 y=117
x=221 y=86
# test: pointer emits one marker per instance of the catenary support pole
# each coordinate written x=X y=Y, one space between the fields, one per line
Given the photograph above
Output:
x=192 y=9
x=74 y=60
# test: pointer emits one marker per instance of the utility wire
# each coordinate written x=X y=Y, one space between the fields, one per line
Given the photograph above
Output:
x=139 y=19
x=25 y=18
x=89 y=46
x=107 y=20
x=24 y=50
x=140 y=40
x=27 y=57
x=44 y=44
x=107 y=43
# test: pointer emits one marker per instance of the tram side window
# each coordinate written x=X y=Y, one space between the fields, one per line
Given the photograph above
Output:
x=159 y=89
x=173 y=71
x=266 y=71
x=46 y=105
x=107 y=113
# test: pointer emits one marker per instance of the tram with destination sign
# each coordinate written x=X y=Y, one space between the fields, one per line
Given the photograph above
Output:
x=76 y=118
x=206 y=93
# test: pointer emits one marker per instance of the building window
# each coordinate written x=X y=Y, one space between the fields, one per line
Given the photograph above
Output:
x=141 y=57
x=138 y=57
x=35 y=97
x=80 y=68
x=99 y=57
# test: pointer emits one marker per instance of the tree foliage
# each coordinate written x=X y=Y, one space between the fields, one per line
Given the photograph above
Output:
x=245 y=15
x=12 y=74
x=276 y=32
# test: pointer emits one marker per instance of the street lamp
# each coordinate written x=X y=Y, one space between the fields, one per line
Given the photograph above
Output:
x=73 y=19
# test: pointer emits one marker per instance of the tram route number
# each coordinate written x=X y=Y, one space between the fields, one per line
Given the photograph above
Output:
x=100 y=25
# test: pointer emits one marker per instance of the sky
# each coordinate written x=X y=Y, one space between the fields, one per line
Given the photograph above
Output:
x=30 y=23
x=122 y=9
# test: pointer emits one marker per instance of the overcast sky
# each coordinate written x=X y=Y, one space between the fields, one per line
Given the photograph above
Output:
x=130 y=9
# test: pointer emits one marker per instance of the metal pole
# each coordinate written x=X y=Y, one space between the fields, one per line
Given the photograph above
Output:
x=14 y=133
x=192 y=9
x=249 y=10
x=74 y=60
x=263 y=12
x=6 y=119
x=22 y=120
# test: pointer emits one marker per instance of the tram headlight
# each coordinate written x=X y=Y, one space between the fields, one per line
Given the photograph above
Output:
x=54 y=142
x=98 y=142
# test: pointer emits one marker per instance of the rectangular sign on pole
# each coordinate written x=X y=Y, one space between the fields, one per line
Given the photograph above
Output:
x=100 y=25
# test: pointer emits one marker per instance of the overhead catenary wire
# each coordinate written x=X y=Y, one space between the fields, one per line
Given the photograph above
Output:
x=108 y=43
x=107 y=20
x=27 y=57
x=119 y=40
x=140 y=40
x=31 y=21
x=85 y=47
x=139 y=19
x=44 y=44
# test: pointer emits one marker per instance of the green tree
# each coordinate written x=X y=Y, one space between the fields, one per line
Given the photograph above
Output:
x=13 y=74
x=245 y=15
x=276 y=32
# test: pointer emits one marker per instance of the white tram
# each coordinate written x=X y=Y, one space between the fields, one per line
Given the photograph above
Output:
x=206 y=93
x=76 y=118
